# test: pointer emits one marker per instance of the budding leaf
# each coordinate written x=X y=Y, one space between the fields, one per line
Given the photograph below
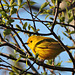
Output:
x=43 y=6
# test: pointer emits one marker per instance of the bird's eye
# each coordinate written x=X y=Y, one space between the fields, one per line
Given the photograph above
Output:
x=31 y=41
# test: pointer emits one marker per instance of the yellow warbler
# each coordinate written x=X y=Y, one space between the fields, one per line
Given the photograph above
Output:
x=46 y=47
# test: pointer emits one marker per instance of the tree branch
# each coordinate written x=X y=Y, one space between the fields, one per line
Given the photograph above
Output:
x=25 y=31
x=56 y=14
x=42 y=64
x=63 y=24
x=31 y=13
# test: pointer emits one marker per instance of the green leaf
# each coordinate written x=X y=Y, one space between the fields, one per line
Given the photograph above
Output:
x=11 y=2
x=18 y=59
x=12 y=73
x=47 y=16
x=66 y=10
x=15 y=70
x=51 y=18
x=26 y=64
x=35 y=13
x=3 y=5
x=19 y=2
x=17 y=32
x=22 y=5
x=70 y=61
x=25 y=25
x=6 y=32
x=4 y=15
x=37 y=30
x=58 y=64
x=12 y=43
x=51 y=7
x=70 y=19
x=32 y=28
x=44 y=73
x=59 y=37
x=10 y=21
x=72 y=32
x=29 y=27
x=14 y=4
x=22 y=50
x=65 y=34
x=49 y=62
x=30 y=57
x=18 y=26
x=53 y=1
x=13 y=10
x=43 y=6
x=69 y=14
x=48 y=11
x=62 y=19
x=23 y=56
x=32 y=2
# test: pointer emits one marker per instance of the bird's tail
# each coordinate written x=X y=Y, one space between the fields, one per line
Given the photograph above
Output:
x=71 y=47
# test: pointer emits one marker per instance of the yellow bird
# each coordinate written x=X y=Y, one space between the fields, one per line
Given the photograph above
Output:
x=46 y=47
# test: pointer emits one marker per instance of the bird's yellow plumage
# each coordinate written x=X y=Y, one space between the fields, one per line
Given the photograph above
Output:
x=46 y=47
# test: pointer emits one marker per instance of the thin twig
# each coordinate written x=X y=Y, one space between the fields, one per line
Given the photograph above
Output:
x=18 y=50
x=28 y=68
x=22 y=60
x=56 y=14
x=64 y=47
x=37 y=18
x=49 y=3
x=6 y=69
x=15 y=40
x=16 y=68
x=42 y=64
x=69 y=35
x=19 y=18
x=17 y=34
x=55 y=67
x=25 y=31
x=43 y=21
x=31 y=13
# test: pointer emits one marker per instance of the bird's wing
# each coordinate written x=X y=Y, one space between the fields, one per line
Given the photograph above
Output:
x=48 y=44
x=47 y=49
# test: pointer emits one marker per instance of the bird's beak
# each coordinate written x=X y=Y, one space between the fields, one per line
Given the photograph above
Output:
x=26 y=43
